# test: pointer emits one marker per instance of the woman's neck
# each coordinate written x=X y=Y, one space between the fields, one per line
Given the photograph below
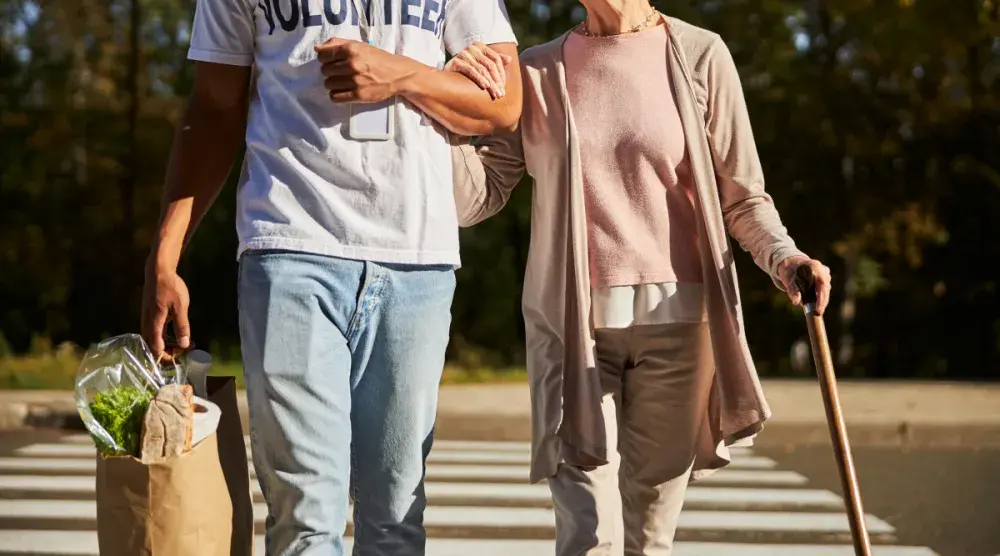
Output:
x=610 y=17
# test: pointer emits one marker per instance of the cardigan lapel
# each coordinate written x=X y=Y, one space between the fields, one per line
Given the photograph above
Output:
x=582 y=429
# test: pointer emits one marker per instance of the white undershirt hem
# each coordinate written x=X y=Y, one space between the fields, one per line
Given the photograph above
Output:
x=648 y=304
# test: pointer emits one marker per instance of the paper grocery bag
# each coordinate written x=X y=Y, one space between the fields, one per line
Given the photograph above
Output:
x=195 y=504
x=233 y=457
x=179 y=506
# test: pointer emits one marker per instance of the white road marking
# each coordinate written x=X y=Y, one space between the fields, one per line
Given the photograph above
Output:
x=47 y=464
x=519 y=473
x=494 y=492
x=483 y=445
x=500 y=517
x=727 y=476
x=470 y=455
x=763 y=497
x=62 y=451
x=439 y=471
x=742 y=549
x=449 y=445
x=75 y=484
x=84 y=543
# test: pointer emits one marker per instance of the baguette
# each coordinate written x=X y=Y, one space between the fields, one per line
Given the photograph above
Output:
x=168 y=424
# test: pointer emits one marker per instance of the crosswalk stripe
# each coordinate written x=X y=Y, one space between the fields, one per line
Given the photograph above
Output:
x=496 y=492
x=502 y=517
x=439 y=445
x=480 y=472
x=452 y=455
x=47 y=465
x=84 y=543
x=484 y=445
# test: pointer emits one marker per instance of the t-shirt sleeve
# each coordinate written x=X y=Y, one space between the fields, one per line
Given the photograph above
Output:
x=469 y=21
x=223 y=32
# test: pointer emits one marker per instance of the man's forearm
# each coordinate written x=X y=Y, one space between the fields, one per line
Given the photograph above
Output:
x=203 y=152
x=460 y=105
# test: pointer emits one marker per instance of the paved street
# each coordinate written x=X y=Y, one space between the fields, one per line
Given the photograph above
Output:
x=479 y=504
x=945 y=498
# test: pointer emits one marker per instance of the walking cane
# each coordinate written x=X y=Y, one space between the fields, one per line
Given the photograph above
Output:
x=806 y=283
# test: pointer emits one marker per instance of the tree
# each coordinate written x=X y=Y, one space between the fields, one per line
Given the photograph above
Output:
x=878 y=125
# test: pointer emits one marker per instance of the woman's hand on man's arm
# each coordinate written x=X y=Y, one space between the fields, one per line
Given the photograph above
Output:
x=486 y=67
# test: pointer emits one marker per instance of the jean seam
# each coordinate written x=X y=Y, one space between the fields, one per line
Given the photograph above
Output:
x=354 y=493
x=378 y=287
x=359 y=309
x=376 y=280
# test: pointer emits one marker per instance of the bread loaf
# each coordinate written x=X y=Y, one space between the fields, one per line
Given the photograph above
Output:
x=167 y=426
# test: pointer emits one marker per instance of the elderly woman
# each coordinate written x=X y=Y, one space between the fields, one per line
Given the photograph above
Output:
x=636 y=133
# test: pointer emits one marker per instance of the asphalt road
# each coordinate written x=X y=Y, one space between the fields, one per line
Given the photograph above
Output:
x=944 y=498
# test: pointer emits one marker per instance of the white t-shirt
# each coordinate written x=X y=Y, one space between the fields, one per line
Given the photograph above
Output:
x=305 y=185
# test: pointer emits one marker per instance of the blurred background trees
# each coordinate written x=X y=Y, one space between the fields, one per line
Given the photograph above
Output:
x=878 y=123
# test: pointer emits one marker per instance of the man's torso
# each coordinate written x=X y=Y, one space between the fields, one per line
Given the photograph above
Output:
x=306 y=185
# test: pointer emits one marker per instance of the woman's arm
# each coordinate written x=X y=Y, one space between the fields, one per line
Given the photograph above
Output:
x=485 y=174
x=748 y=210
x=749 y=213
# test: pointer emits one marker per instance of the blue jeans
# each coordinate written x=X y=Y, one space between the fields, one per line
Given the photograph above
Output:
x=343 y=361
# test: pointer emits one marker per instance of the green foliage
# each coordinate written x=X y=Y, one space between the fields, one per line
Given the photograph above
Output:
x=120 y=412
x=40 y=371
x=56 y=370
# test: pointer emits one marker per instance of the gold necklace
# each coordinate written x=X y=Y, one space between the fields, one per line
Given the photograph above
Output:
x=582 y=28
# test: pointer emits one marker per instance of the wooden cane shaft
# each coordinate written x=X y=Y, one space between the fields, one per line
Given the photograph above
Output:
x=838 y=434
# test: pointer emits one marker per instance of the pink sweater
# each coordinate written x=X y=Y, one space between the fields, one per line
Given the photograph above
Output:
x=638 y=190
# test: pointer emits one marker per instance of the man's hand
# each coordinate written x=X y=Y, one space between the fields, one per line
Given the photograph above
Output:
x=358 y=72
x=790 y=266
x=165 y=297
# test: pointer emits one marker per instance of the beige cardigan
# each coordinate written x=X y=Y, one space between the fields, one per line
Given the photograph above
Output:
x=567 y=424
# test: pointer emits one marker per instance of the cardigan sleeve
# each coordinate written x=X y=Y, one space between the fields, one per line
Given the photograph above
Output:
x=485 y=174
x=749 y=213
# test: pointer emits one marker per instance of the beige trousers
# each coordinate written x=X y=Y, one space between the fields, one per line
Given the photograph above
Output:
x=656 y=381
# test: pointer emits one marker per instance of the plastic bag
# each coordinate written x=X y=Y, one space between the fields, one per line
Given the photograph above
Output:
x=114 y=385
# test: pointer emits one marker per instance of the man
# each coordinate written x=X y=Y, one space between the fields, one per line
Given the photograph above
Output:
x=348 y=241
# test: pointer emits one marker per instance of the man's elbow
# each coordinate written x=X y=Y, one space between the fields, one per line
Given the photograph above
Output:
x=502 y=115
x=508 y=125
x=506 y=119
x=489 y=126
